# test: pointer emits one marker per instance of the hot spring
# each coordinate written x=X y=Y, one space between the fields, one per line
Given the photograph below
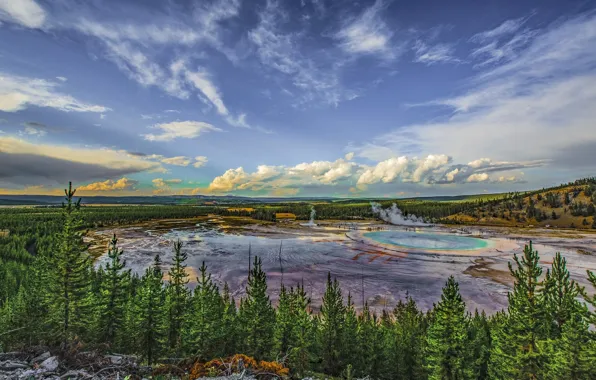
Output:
x=427 y=241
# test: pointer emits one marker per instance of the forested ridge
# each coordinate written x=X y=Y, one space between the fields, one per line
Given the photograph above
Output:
x=60 y=300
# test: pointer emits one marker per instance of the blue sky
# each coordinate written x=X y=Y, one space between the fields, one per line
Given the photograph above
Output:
x=296 y=97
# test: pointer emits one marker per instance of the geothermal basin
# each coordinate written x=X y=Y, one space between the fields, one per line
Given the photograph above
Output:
x=383 y=262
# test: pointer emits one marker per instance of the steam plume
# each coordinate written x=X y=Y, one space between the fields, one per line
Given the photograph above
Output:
x=394 y=215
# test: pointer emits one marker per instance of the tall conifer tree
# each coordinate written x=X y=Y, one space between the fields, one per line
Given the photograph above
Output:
x=151 y=310
x=69 y=280
x=447 y=337
x=257 y=314
x=332 y=321
x=177 y=297
x=113 y=294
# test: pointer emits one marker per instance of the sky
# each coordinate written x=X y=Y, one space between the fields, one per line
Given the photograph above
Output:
x=296 y=98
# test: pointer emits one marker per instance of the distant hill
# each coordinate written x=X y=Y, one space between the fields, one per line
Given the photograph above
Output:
x=48 y=200
x=570 y=205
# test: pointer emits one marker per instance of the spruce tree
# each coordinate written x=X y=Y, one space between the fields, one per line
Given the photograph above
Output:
x=229 y=326
x=332 y=321
x=370 y=345
x=70 y=267
x=574 y=354
x=560 y=295
x=151 y=308
x=447 y=341
x=303 y=334
x=349 y=341
x=177 y=297
x=206 y=318
x=408 y=341
x=113 y=294
x=283 y=324
x=257 y=315
x=480 y=343
x=517 y=350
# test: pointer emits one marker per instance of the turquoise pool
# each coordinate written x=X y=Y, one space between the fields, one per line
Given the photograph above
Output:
x=427 y=240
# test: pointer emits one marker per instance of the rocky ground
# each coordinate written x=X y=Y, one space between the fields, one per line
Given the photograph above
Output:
x=42 y=364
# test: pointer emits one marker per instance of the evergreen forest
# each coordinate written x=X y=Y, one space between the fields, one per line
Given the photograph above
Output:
x=52 y=294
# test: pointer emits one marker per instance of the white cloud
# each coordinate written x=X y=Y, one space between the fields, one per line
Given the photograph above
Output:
x=200 y=161
x=180 y=129
x=367 y=33
x=527 y=109
x=349 y=156
x=507 y=27
x=102 y=116
x=431 y=54
x=177 y=161
x=18 y=93
x=24 y=12
x=110 y=185
x=315 y=81
x=62 y=79
x=32 y=131
x=386 y=171
x=478 y=177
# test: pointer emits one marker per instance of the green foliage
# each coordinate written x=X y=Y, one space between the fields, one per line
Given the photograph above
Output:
x=447 y=337
x=69 y=269
x=151 y=312
x=257 y=315
x=206 y=319
x=51 y=294
x=332 y=322
x=177 y=298
x=112 y=294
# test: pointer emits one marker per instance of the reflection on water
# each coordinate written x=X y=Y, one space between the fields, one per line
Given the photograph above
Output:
x=427 y=241
x=308 y=254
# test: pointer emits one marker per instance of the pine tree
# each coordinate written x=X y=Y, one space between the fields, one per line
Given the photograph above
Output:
x=257 y=315
x=229 y=336
x=349 y=341
x=113 y=294
x=283 y=324
x=480 y=342
x=206 y=318
x=69 y=266
x=574 y=354
x=517 y=349
x=332 y=321
x=302 y=332
x=560 y=295
x=446 y=349
x=370 y=344
x=151 y=308
x=408 y=340
x=177 y=297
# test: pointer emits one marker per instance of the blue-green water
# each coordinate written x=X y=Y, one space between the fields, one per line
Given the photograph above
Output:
x=427 y=240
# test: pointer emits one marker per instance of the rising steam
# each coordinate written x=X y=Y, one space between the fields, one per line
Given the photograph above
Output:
x=394 y=215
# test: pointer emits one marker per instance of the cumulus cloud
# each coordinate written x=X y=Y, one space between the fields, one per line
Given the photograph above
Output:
x=24 y=163
x=385 y=171
x=18 y=93
x=269 y=178
x=27 y=13
x=477 y=177
x=180 y=129
x=110 y=185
